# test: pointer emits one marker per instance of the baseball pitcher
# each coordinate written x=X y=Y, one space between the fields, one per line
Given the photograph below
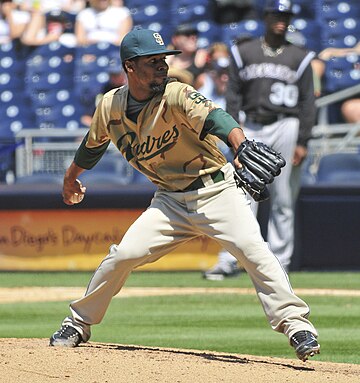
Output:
x=166 y=129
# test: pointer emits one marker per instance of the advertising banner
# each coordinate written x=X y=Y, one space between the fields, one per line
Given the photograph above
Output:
x=53 y=240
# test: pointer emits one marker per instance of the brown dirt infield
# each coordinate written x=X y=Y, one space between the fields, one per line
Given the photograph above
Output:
x=32 y=360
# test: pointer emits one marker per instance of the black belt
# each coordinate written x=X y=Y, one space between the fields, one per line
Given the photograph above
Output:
x=216 y=176
x=266 y=120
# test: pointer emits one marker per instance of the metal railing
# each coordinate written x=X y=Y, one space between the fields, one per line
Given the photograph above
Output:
x=332 y=138
x=49 y=151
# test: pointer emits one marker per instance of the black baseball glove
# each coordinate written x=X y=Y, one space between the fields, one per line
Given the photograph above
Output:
x=260 y=164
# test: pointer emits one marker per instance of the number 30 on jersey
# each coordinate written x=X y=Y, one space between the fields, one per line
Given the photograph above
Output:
x=284 y=94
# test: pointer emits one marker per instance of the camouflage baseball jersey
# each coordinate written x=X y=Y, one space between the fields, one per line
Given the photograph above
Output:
x=165 y=143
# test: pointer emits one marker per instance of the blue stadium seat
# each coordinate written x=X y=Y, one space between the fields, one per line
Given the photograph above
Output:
x=7 y=96
x=50 y=97
x=149 y=13
x=92 y=64
x=187 y=11
x=310 y=30
x=95 y=178
x=41 y=179
x=332 y=10
x=15 y=112
x=48 y=81
x=340 y=33
x=140 y=179
x=139 y=3
x=62 y=115
x=9 y=127
x=7 y=158
x=304 y=9
x=162 y=27
x=233 y=31
x=7 y=49
x=341 y=73
x=10 y=64
x=339 y=169
x=111 y=163
x=11 y=81
x=50 y=68
x=111 y=169
x=15 y=116
x=45 y=60
x=208 y=33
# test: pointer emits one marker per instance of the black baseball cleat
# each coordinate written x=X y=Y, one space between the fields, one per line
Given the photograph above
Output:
x=305 y=345
x=67 y=336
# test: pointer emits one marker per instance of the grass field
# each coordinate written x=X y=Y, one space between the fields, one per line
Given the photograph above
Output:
x=229 y=322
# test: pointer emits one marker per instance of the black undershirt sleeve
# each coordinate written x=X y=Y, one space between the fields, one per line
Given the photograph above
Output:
x=87 y=158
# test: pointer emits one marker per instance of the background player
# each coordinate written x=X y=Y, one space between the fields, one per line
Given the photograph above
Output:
x=271 y=82
x=164 y=129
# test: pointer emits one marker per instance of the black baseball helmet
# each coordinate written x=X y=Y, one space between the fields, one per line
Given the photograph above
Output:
x=281 y=6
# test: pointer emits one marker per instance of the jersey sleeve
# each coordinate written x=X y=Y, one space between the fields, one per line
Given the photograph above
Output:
x=307 y=107
x=233 y=94
x=96 y=140
x=192 y=105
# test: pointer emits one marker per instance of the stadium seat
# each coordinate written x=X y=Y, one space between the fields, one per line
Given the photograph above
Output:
x=11 y=81
x=310 y=29
x=61 y=115
x=339 y=169
x=208 y=33
x=41 y=179
x=140 y=179
x=233 y=31
x=7 y=159
x=16 y=115
x=10 y=64
x=162 y=27
x=341 y=73
x=139 y=3
x=187 y=11
x=149 y=13
x=49 y=68
x=95 y=178
x=111 y=169
x=92 y=64
x=42 y=64
x=340 y=33
x=304 y=9
x=50 y=97
x=48 y=81
x=332 y=10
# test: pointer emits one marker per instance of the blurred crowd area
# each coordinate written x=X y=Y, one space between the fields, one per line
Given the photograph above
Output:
x=59 y=56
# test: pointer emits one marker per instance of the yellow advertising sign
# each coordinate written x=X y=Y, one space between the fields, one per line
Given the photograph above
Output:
x=80 y=239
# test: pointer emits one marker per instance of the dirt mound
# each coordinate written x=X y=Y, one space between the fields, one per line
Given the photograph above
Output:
x=32 y=360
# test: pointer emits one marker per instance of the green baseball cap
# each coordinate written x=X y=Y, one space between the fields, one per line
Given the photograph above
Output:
x=143 y=42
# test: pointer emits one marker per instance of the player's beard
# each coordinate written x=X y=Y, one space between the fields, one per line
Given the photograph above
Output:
x=159 y=88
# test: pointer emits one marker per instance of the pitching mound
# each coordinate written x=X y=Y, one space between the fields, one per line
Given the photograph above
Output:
x=32 y=360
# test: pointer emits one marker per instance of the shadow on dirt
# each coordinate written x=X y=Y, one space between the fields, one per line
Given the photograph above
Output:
x=227 y=358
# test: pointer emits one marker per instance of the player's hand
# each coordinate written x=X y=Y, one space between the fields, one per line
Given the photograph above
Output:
x=299 y=155
x=73 y=192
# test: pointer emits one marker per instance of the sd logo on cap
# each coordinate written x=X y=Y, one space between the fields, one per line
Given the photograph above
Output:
x=143 y=42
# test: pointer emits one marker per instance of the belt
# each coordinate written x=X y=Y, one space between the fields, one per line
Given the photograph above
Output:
x=216 y=176
x=266 y=120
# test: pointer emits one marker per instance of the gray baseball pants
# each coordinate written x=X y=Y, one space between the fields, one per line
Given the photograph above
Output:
x=220 y=211
x=281 y=136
